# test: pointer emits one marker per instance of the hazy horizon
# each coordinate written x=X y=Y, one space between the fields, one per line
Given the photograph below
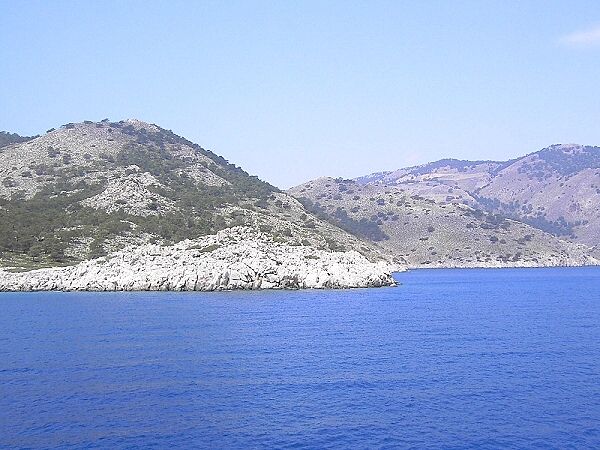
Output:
x=292 y=92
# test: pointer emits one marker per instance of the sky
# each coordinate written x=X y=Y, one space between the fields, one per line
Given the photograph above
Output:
x=295 y=90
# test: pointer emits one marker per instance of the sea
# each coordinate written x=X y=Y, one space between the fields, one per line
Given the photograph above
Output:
x=449 y=359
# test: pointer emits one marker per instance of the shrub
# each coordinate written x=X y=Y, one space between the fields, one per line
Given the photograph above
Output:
x=9 y=182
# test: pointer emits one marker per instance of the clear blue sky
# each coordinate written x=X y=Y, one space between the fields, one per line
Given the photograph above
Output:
x=293 y=90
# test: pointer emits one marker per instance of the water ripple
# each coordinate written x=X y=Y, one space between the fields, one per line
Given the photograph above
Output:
x=451 y=359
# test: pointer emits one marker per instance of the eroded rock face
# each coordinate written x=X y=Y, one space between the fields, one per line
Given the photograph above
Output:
x=235 y=258
x=132 y=191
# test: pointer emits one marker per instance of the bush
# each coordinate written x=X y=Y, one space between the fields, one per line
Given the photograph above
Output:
x=9 y=182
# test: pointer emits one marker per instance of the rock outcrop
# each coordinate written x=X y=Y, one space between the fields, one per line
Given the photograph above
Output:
x=234 y=258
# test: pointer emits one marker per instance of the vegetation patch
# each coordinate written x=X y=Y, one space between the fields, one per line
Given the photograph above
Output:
x=365 y=228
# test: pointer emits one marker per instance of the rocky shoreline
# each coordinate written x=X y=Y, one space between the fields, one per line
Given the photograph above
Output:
x=526 y=264
x=235 y=258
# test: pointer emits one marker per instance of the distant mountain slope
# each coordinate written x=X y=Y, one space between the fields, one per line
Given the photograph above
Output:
x=461 y=173
x=555 y=189
x=85 y=189
x=425 y=232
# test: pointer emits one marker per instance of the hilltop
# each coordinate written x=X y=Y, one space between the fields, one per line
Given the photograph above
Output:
x=85 y=190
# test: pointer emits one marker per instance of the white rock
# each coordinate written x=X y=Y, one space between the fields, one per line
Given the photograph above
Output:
x=245 y=259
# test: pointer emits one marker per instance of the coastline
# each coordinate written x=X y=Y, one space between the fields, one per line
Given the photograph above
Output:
x=491 y=267
x=233 y=259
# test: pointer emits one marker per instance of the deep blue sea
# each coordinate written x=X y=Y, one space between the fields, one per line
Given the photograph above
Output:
x=504 y=358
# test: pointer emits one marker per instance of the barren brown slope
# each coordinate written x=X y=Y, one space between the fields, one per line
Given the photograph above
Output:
x=428 y=233
x=556 y=189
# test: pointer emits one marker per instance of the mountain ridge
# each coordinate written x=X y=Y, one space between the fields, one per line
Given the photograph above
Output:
x=86 y=190
x=539 y=209
x=554 y=189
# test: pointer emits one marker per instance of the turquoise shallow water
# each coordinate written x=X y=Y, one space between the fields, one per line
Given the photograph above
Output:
x=451 y=359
